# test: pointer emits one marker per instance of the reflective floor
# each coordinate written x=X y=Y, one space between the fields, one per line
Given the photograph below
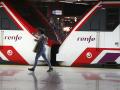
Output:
x=15 y=77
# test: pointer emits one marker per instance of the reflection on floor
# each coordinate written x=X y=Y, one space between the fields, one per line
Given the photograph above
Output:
x=15 y=77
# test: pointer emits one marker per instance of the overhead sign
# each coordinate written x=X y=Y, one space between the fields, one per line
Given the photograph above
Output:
x=57 y=12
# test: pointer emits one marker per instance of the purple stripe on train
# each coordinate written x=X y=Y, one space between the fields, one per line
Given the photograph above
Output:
x=109 y=57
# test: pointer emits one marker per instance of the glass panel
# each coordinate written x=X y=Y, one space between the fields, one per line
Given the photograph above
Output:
x=112 y=18
x=105 y=19
x=6 y=23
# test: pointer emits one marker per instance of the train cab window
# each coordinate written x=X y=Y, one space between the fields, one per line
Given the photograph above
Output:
x=6 y=23
x=104 y=19
x=96 y=22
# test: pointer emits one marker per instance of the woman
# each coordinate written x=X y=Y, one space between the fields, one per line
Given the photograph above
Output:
x=42 y=40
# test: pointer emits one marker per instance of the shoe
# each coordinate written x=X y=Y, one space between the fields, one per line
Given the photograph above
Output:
x=50 y=69
x=31 y=69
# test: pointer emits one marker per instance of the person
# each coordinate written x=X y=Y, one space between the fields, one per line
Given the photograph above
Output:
x=42 y=40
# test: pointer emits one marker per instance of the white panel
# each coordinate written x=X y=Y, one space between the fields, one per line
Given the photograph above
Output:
x=77 y=43
x=23 y=43
x=111 y=39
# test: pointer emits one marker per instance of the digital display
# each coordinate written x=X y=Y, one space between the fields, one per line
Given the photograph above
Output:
x=57 y=12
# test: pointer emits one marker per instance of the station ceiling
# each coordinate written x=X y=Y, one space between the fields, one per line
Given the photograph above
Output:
x=70 y=0
x=62 y=0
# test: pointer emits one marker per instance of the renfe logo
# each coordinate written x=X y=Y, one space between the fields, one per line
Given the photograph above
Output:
x=15 y=38
x=87 y=39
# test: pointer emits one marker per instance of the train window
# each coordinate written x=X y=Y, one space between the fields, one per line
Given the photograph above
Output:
x=112 y=18
x=6 y=23
x=104 y=19
x=96 y=22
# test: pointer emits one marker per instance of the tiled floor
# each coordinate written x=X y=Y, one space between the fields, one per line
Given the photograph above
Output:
x=15 y=77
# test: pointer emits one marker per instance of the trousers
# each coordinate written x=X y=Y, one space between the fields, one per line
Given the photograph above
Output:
x=41 y=52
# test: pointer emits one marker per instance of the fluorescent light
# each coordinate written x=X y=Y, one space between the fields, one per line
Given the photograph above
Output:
x=65 y=1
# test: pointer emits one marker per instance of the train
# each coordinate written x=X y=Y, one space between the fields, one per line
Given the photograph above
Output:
x=87 y=32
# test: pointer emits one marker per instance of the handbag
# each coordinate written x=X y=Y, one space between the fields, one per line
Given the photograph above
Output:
x=36 y=47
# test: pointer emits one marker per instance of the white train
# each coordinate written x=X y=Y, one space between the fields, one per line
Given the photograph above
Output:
x=94 y=39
